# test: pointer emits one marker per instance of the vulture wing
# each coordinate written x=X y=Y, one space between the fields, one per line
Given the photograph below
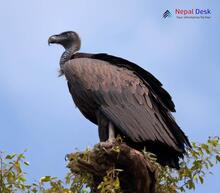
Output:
x=156 y=87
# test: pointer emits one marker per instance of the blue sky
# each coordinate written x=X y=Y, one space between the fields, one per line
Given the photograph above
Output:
x=36 y=110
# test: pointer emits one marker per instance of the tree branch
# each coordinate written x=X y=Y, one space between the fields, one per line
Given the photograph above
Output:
x=137 y=174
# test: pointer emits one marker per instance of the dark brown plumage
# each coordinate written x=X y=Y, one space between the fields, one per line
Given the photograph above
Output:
x=109 y=90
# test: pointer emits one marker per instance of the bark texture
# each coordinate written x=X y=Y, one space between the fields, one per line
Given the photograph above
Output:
x=138 y=174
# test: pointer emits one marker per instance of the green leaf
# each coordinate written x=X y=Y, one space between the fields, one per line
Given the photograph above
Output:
x=84 y=191
x=218 y=158
x=201 y=179
x=26 y=163
x=21 y=156
x=22 y=179
x=34 y=190
x=46 y=179
x=10 y=156
x=206 y=148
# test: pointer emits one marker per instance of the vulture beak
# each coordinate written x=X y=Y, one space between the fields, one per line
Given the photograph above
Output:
x=53 y=39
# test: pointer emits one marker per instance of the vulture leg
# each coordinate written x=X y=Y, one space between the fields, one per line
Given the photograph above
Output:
x=106 y=128
x=102 y=126
x=111 y=132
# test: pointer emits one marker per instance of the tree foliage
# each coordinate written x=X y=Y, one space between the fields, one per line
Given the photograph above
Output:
x=194 y=168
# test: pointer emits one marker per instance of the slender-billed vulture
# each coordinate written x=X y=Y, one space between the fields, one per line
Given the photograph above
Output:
x=122 y=99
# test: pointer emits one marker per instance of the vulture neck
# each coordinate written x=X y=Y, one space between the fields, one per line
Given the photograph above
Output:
x=69 y=51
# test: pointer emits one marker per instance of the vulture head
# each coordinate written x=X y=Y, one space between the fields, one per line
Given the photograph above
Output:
x=68 y=39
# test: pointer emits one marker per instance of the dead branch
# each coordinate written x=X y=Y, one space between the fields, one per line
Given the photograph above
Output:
x=137 y=174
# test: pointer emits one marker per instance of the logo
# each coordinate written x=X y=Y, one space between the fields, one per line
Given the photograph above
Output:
x=193 y=12
x=189 y=13
x=167 y=14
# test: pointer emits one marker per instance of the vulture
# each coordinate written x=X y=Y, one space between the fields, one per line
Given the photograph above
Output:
x=122 y=98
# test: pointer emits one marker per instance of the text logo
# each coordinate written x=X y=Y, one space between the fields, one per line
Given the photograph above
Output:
x=193 y=12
